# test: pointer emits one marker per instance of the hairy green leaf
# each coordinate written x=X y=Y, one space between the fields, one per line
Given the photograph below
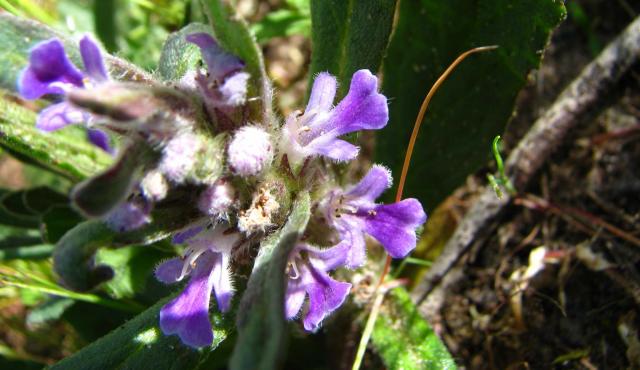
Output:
x=348 y=35
x=476 y=102
x=261 y=321
x=404 y=340
x=179 y=56
x=75 y=159
x=139 y=344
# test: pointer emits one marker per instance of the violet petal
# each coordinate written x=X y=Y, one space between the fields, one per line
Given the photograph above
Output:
x=394 y=225
x=351 y=230
x=58 y=116
x=362 y=109
x=222 y=281
x=220 y=63
x=337 y=149
x=377 y=180
x=92 y=59
x=184 y=235
x=325 y=295
x=188 y=314
x=49 y=69
x=100 y=139
x=328 y=259
x=169 y=271
x=322 y=93
x=294 y=297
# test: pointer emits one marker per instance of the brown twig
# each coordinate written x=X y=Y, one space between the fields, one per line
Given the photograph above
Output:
x=580 y=102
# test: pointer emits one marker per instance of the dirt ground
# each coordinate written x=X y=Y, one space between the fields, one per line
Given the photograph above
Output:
x=557 y=285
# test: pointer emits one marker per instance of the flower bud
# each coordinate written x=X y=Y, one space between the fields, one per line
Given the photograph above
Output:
x=217 y=199
x=250 y=151
x=178 y=156
x=128 y=216
x=154 y=186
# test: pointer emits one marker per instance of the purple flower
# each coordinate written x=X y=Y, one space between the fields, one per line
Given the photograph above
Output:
x=129 y=215
x=224 y=85
x=308 y=275
x=354 y=213
x=50 y=72
x=316 y=131
x=206 y=260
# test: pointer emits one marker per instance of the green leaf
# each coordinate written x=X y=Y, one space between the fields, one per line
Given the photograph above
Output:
x=11 y=237
x=283 y=22
x=100 y=194
x=50 y=310
x=476 y=102
x=132 y=267
x=57 y=221
x=30 y=252
x=261 y=321
x=404 y=340
x=232 y=33
x=72 y=259
x=348 y=35
x=19 y=35
x=139 y=344
x=74 y=159
x=179 y=56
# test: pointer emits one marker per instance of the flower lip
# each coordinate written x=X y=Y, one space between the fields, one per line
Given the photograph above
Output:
x=316 y=131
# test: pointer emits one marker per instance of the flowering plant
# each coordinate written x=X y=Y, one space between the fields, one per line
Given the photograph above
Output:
x=249 y=222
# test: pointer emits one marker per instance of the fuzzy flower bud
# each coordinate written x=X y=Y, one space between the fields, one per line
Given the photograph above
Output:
x=250 y=151
x=217 y=199
x=178 y=156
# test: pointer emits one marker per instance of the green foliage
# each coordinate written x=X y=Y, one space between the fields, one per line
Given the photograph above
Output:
x=261 y=322
x=179 y=56
x=74 y=159
x=74 y=254
x=292 y=20
x=476 y=102
x=100 y=194
x=50 y=310
x=139 y=344
x=348 y=35
x=404 y=340
x=132 y=266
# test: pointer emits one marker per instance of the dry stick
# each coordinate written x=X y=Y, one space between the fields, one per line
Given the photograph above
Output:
x=580 y=102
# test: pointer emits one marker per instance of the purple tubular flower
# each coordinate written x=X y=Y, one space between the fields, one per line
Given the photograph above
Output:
x=309 y=276
x=50 y=72
x=316 y=131
x=354 y=213
x=206 y=260
x=225 y=85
